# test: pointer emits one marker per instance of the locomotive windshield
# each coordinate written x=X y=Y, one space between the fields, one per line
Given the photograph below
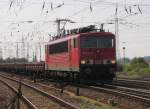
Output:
x=97 y=42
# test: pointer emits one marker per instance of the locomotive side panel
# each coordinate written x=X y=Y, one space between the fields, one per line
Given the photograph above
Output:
x=58 y=56
x=63 y=55
x=60 y=62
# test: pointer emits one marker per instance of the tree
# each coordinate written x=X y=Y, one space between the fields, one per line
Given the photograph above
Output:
x=139 y=62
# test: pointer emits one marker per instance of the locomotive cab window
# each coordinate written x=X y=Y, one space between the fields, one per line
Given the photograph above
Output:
x=97 y=42
x=105 y=43
x=58 y=48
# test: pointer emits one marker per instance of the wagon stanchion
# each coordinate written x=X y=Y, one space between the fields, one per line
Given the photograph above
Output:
x=19 y=95
x=34 y=77
x=62 y=87
x=78 y=89
x=31 y=75
x=56 y=77
x=72 y=77
x=44 y=75
x=62 y=84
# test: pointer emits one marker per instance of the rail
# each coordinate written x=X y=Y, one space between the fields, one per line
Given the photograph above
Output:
x=30 y=105
x=132 y=83
x=50 y=96
x=123 y=94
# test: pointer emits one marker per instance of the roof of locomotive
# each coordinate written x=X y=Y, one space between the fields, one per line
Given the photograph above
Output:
x=72 y=36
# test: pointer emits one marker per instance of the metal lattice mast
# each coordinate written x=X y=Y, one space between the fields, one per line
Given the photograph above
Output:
x=58 y=22
x=117 y=33
x=23 y=47
x=28 y=51
x=1 y=51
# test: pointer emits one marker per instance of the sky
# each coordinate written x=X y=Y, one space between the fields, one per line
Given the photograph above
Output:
x=32 y=21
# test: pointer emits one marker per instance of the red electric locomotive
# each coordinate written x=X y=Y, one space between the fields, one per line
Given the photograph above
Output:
x=89 y=55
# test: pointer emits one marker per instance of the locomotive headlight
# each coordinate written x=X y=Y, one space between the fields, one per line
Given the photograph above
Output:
x=113 y=61
x=83 y=62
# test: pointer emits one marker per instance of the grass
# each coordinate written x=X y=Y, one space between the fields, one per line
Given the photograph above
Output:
x=87 y=103
x=134 y=70
x=109 y=107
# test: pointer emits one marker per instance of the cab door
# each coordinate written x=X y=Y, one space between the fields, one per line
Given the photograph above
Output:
x=74 y=54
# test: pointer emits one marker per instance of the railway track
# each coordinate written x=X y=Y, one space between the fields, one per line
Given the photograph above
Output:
x=133 y=91
x=96 y=102
x=40 y=99
x=22 y=97
x=140 y=96
x=132 y=83
x=126 y=97
x=136 y=94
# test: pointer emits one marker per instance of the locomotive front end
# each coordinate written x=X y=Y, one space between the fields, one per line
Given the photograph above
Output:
x=97 y=56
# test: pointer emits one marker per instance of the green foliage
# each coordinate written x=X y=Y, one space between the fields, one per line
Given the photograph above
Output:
x=138 y=62
x=109 y=107
x=137 y=67
x=87 y=103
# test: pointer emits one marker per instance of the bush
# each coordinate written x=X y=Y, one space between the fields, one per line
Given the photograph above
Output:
x=145 y=70
x=137 y=67
x=139 y=62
